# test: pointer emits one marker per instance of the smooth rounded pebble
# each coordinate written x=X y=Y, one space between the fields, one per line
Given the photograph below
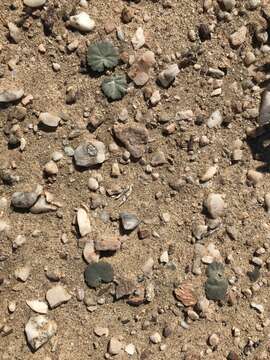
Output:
x=34 y=3
x=82 y=22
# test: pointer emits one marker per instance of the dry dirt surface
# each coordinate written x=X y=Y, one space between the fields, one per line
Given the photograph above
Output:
x=137 y=227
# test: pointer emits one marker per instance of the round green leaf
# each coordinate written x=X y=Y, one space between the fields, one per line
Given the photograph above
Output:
x=102 y=56
x=115 y=87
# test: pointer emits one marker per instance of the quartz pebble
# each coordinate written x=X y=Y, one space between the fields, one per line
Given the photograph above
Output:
x=39 y=329
x=82 y=22
x=93 y=184
x=23 y=273
x=130 y=349
x=213 y=340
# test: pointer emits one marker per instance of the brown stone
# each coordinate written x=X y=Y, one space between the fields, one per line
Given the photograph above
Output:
x=107 y=243
x=137 y=298
x=133 y=137
x=185 y=294
x=125 y=287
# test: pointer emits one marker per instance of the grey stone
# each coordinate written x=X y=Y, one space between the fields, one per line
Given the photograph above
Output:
x=23 y=200
x=129 y=221
x=11 y=95
x=90 y=153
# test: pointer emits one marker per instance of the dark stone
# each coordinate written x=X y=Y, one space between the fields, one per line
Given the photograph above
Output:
x=96 y=273
x=204 y=32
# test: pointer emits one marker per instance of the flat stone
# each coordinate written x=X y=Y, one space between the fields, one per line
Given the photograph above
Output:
x=14 y=32
x=133 y=137
x=39 y=329
x=83 y=222
x=49 y=120
x=89 y=253
x=129 y=221
x=89 y=154
x=38 y=306
x=11 y=95
x=57 y=296
x=95 y=273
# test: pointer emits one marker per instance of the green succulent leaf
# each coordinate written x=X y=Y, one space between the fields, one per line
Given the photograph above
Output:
x=102 y=55
x=115 y=87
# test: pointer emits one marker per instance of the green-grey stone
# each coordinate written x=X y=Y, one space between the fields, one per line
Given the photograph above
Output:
x=96 y=273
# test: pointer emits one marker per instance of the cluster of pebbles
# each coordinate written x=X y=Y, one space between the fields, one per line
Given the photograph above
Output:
x=148 y=208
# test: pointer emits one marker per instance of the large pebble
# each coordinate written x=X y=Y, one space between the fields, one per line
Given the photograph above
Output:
x=57 y=296
x=82 y=22
x=39 y=329
x=167 y=76
x=83 y=222
x=34 y=3
x=215 y=205
x=96 y=273
x=23 y=200
x=49 y=120
x=90 y=153
x=228 y=4
x=11 y=95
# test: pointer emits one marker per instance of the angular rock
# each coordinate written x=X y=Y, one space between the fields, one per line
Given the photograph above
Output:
x=42 y=206
x=90 y=153
x=38 y=306
x=124 y=288
x=101 y=331
x=133 y=137
x=11 y=95
x=167 y=76
x=57 y=296
x=39 y=329
x=129 y=221
x=49 y=120
x=83 y=222
x=158 y=159
x=82 y=22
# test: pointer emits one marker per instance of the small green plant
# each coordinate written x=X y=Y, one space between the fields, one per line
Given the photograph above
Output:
x=216 y=285
x=101 y=56
x=115 y=87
